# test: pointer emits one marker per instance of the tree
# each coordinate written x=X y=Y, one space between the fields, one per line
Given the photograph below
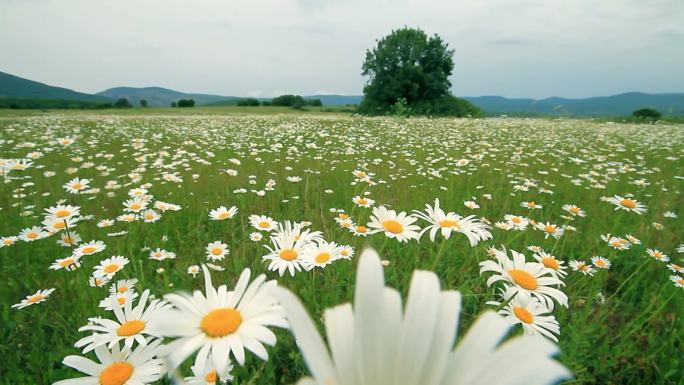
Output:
x=143 y=103
x=186 y=103
x=288 y=100
x=122 y=103
x=412 y=69
x=248 y=102
x=647 y=114
x=173 y=104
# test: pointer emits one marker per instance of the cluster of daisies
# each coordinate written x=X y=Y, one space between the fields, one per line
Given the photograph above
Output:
x=404 y=227
x=138 y=343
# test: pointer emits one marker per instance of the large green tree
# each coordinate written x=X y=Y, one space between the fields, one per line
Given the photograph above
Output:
x=409 y=71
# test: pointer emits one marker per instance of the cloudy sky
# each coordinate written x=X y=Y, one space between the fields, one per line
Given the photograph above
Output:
x=514 y=48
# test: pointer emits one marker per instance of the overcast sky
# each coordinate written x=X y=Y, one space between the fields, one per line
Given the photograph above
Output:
x=514 y=48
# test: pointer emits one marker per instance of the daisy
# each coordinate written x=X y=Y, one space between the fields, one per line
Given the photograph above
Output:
x=262 y=222
x=601 y=262
x=256 y=237
x=221 y=322
x=627 y=204
x=69 y=240
x=362 y=201
x=105 y=223
x=632 y=239
x=90 y=248
x=531 y=314
x=398 y=226
x=676 y=268
x=70 y=263
x=63 y=211
x=31 y=234
x=616 y=242
x=657 y=255
x=193 y=270
x=286 y=253
x=150 y=216
x=677 y=280
x=110 y=266
x=296 y=230
x=8 y=241
x=519 y=275
x=379 y=342
x=76 y=185
x=123 y=286
x=135 y=205
x=574 y=210
x=121 y=298
x=359 y=231
x=550 y=230
x=205 y=373
x=582 y=267
x=117 y=367
x=531 y=205
x=550 y=262
x=471 y=205
x=55 y=225
x=517 y=222
x=346 y=252
x=160 y=255
x=222 y=213
x=97 y=282
x=132 y=324
x=474 y=229
x=216 y=251
x=321 y=254
x=37 y=297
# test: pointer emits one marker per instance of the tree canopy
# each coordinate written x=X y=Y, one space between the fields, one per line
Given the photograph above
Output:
x=409 y=71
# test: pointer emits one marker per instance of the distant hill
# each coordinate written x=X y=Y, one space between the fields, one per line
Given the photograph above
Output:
x=15 y=87
x=158 y=96
x=615 y=105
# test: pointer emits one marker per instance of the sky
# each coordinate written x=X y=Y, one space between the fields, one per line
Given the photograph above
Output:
x=513 y=48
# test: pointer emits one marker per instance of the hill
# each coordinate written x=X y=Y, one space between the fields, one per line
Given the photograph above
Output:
x=15 y=87
x=158 y=96
x=615 y=105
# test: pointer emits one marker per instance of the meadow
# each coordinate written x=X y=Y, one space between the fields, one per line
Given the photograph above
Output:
x=597 y=206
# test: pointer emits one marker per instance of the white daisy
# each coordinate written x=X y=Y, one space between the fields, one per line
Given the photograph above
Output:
x=398 y=226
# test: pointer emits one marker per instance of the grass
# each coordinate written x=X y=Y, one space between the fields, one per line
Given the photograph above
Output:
x=623 y=325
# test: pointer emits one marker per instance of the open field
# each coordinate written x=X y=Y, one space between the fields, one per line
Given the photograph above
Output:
x=624 y=316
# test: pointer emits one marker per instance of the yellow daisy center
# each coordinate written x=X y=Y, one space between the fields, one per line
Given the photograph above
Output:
x=32 y=235
x=322 y=257
x=121 y=300
x=59 y=225
x=7 y=241
x=362 y=201
x=211 y=377
x=135 y=206
x=77 y=186
x=361 y=229
x=523 y=315
x=393 y=226
x=116 y=374
x=550 y=229
x=448 y=223
x=122 y=289
x=67 y=262
x=551 y=263
x=516 y=220
x=36 y=298
x=130 y=328
x=88 y=249
x=217 y=250
x=523 y=279
x=224 y=215
x=574 y=210
x=531 y=204
x=264 y=224
x=221 y=322
x=288 y=254
x=62 y=213
x=629 y=203
x=111 y=268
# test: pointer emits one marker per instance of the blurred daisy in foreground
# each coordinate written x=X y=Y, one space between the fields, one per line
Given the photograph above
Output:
x=117 y=367
x=38 y=297
x=221 y=322
x=376 y=342
x=398 y=226
x=204 y=373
